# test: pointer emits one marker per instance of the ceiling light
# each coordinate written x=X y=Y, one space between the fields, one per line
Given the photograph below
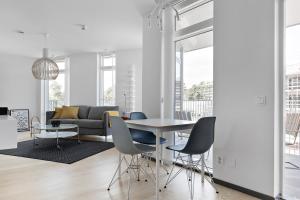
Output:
x=44 y=68
x=20 y=32
x=82 y=26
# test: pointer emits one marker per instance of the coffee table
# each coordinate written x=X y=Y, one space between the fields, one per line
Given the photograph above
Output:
x=62 y=131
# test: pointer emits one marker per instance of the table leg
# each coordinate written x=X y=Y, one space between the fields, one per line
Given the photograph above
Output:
x=157 y=133
x=78 y=140
x=57 y=142
x=120 y=165
x=202 y=168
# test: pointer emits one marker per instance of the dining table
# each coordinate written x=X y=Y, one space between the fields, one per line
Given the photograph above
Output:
x=159 y=126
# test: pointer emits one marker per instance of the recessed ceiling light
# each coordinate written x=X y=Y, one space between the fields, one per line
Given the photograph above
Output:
x=20 y=32
x=82 y=26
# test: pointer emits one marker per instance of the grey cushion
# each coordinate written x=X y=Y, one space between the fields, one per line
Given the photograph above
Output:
x=90 y=123
x=97 y=112
x=83 y=112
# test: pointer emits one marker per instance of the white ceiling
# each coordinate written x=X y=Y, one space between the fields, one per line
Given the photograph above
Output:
x=111 y=25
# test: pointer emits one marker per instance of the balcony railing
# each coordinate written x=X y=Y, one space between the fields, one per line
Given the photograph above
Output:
x=198 y=108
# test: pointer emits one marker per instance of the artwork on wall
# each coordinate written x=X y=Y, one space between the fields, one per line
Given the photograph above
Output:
x=22 y=117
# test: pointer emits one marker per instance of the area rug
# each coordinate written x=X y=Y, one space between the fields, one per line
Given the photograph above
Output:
x=46 y=150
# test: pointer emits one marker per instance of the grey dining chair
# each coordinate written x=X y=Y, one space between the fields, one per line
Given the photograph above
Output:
x=124 y=144
x=146 y=137
x=199 y=142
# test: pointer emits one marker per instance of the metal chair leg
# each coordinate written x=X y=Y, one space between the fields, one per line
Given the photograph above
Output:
x=170 y=178
x=114 y=176
x=211 y=181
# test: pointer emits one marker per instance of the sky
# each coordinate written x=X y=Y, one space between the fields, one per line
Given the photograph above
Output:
x=198 y=66
x=293 y=49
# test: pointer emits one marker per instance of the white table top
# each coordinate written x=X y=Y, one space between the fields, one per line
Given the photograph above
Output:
x=160 y=123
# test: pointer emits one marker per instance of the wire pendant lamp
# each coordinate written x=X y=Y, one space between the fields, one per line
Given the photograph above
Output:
x=45 y=68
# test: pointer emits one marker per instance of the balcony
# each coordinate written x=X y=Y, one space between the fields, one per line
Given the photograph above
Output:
x=292 y=153
x=198 y=108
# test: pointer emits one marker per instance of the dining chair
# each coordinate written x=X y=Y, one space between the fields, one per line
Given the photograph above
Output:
x=145 y=137
x=124 y=144
x=199 y=142
x=292 y=126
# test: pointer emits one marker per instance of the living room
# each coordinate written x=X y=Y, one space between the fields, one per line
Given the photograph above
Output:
x=114 y=99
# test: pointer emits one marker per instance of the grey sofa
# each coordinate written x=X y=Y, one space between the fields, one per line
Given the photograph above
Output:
x=92 y=120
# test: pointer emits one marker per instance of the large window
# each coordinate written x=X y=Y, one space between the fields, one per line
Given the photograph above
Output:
x=57 y=87
x=194 y=75
x=192 y=15
x=194 y=66
x=292 y=111
x=107 y=80
x=56 y=93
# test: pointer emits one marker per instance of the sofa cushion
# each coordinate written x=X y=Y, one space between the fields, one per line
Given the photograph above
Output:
x=97 y=112
x=83 y=112
x=69 y=112
x=57 y=113
x=90 y=123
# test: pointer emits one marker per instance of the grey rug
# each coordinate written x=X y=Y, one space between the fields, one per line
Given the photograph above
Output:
x=46 y=150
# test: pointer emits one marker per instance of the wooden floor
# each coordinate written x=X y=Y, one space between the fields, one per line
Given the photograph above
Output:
x=29 y=179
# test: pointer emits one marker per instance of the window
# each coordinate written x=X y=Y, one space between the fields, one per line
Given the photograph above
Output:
x=107 y=80
x=57 y=87
x=55 y=93
x=194 y=15
x=194 y=66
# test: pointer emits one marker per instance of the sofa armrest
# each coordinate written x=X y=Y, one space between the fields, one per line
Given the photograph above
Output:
x=49 y=115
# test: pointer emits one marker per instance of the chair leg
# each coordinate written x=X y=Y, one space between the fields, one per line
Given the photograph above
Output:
x=170 y=177
x=113 y=180
x=138 y=168
x=211 y=181
x=191 y=176
x=130 y=181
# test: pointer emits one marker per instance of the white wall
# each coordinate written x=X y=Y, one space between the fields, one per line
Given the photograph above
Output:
x=83 y=79
x=244 y=67
x=126 y=59
x=151 y=101
x=18 y=87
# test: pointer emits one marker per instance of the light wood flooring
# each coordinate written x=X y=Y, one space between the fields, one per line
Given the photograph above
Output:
x=29 y=179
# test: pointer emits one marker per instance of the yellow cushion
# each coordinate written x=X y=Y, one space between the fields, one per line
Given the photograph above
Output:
x=69 y=112
x=113 y=113
x=57 y=113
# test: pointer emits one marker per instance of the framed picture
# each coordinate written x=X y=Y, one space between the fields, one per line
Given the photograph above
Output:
x=22 y=117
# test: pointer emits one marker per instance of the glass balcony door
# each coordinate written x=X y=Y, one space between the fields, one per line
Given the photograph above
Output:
x=194 y=82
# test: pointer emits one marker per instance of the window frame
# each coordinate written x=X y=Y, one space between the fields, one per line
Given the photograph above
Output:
x=102 y=68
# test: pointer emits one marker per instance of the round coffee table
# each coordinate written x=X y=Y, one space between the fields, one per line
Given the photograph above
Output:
x=62 y=131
